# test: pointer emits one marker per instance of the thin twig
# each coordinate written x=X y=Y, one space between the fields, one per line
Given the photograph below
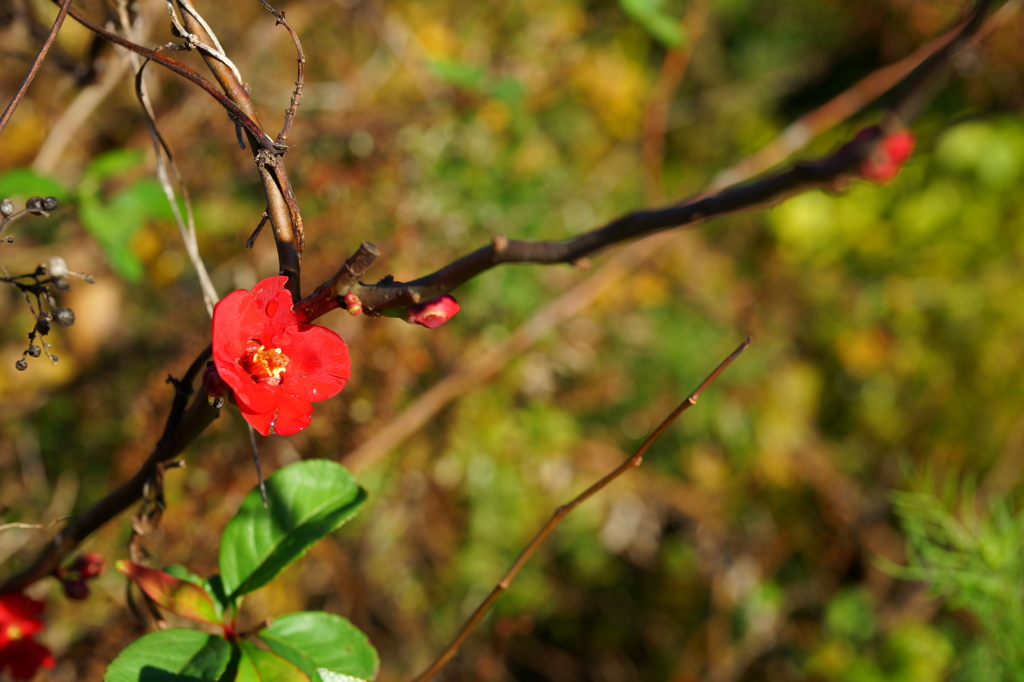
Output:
x=300 y=57
x=33 y=526
x=187 y=223
x=36 y=63
x=634 y=461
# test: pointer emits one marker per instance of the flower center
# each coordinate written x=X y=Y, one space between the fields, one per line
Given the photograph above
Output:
x=13 y=632
x=264 y=365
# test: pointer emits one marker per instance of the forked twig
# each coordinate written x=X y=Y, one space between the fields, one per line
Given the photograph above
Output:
x=32 y=70
x=634 y=461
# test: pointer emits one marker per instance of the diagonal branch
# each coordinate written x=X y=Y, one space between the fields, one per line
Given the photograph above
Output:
x=36 y=63
x=828 y=172
x=634 y=461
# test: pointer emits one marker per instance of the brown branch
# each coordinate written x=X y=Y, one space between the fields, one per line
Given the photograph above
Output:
x=844 y=105
x=634 y=461
x=827 y=172
x=36 y=63
x=182 y=427
x=282 y=207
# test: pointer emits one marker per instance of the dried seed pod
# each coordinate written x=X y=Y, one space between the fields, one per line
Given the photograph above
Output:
x=65 y=317
x=56 y=267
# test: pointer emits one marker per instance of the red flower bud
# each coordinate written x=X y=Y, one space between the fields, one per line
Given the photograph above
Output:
x=434 y=312
x=88 y=565
x=889 y=156
x=353 y=304
x=217 y=389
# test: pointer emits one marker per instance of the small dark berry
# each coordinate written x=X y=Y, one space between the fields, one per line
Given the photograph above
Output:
x=34 y=204
x=51 y=203
x=34 y=350
x=76 y=589
x=65 y=317
x=21 y=365
x=7 y=207
x=62 y=284
x=43 y=324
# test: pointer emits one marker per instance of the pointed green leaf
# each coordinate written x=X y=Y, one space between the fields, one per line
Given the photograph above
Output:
x=177 y=596
x=314 y=639
x=174 y=655
x=258 y=665
x=307 y=500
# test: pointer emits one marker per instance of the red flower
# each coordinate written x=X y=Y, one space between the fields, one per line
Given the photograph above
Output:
x=18 y=623
x=889 y=156
x=275 y=362
x=434 y=312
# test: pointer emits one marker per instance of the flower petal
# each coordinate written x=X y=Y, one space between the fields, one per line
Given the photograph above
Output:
x=318 y=362
x=275 y=304
x=293 y=415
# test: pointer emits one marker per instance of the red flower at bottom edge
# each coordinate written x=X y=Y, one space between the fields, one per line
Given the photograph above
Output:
x=18 y=623
x=24 y=657
x=275 y=362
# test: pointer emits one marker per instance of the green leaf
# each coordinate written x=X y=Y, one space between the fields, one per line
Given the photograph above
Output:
x=314 y=639
x=27 y=183
x=661 y=25
x=113 y=224
x=307 y=500
x=174 y=655
x=258 y=665
x=112 y=163
x=178 y=596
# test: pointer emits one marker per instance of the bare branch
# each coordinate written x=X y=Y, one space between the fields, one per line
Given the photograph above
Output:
x=36 y=63
x=300 y=57
x=634 y=461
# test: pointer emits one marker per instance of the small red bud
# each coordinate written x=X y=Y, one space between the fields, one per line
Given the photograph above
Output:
x=889 y=156
x=434 y=312
x=353 y=304
x=89 y=565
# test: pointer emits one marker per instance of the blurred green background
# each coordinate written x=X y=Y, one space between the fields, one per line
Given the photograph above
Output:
x=750 y=545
